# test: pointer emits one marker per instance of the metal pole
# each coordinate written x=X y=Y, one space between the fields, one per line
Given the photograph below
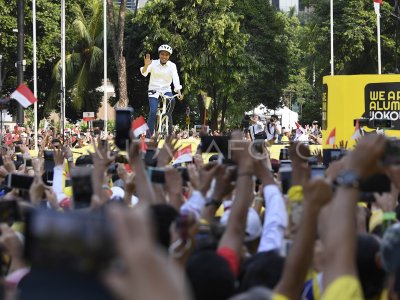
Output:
x=1 y=77
x=62 y=66
x=332 y=52
x=20 y=56
x=1 y=109
x=35 y=73
x=378 y=26
x=105 y=66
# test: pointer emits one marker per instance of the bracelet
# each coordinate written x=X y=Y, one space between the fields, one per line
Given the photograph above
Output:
x=389 y=216
x=244 y=174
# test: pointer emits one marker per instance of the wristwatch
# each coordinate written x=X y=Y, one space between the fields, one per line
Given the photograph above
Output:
x=348 y=179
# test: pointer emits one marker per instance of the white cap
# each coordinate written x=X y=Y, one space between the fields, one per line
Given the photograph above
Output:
x=253 y=224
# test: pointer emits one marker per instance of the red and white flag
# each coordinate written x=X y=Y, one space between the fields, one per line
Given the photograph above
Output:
x=331 y=138
x=183 y=155
x=23 y=95
x=356 y=135
x=139 y=126
x=377 y=6
x=8 y=139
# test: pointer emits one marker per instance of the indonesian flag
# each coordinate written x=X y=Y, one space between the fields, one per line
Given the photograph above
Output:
x=139 y=126
x=356 y=135
x=24 y=96
x=143 y=145
x=299 y=131
x=377 y=6
x=331 y=138
x=183 y=155
x=8 y=139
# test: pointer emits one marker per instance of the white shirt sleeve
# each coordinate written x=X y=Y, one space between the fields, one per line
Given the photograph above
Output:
x=147 y=71
x=195 y=204
x=58 y=183
x=275 y=219
x=175 y=78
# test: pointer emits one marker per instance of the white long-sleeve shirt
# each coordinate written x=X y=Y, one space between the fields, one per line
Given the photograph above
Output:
x=58 y=181
x=162 y=76
x=275 y=219
x=195 y=204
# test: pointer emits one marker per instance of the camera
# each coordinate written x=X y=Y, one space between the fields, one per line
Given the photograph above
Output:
x=157 y=175
x=245 y=124
x=73 y=241
x=285 y=172
x=329 y=155
x=374 y=123
x=19 y=181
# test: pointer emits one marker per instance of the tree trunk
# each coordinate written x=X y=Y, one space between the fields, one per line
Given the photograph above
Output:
x=200 y=104
x=223 y=112
x=117 y=37
x=123 y=91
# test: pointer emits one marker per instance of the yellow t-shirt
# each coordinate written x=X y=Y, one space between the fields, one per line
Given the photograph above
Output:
x=279 y=297
x=345 y=287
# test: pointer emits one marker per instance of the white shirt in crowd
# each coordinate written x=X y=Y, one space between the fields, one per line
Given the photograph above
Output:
x=270 y=130
x=162 y=76
x=256 y=128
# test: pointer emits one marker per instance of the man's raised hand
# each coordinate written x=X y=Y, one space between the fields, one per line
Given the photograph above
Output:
x=147 y=60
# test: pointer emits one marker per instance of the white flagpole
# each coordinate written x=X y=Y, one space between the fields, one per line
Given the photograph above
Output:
x=62 y=66
x=35 y=73
x=332 y=53
x=378 y=29
x=105 y=66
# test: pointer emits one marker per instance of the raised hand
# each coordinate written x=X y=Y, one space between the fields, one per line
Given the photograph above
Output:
x=167 y=152
x=147 y=60
x=317 y=193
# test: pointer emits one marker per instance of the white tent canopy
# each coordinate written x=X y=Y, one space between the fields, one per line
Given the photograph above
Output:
x=286 y=116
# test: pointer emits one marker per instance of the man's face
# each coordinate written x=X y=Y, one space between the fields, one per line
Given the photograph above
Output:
x=164 y=57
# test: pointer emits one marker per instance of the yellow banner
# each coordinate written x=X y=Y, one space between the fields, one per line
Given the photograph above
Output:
x=347 y=98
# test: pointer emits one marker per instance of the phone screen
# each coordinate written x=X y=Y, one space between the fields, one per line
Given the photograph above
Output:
x=317 y=172
x=123 y=123
x=156 y=175
x=19 y=181
x=82 y=186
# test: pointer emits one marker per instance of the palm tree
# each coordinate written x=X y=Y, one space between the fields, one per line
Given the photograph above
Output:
x=84 y=61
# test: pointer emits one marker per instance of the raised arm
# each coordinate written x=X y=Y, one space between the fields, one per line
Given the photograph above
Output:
x=235 y=230
x=316 y=194
x=340 y=237
x=145 y=70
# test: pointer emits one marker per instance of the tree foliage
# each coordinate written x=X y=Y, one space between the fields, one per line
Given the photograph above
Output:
x=84 y=61
x=209 y=45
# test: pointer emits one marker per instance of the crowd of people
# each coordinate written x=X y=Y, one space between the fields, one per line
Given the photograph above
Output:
x=274 y=133
x=133 y=223
x=136 y=226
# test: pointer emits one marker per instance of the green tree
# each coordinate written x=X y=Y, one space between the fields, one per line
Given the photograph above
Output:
x=355 y=45
x=269 y=52
x=209 y=47
x=48 y=46
x=117 y=30
x=84 y=62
